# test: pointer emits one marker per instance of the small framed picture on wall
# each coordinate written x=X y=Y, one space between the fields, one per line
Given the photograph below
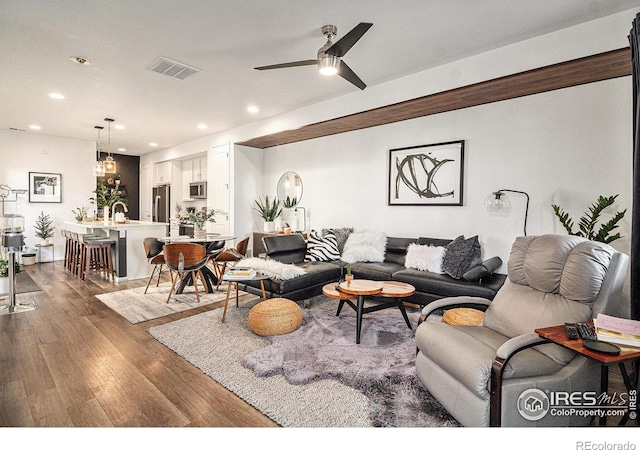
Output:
x=45 y=187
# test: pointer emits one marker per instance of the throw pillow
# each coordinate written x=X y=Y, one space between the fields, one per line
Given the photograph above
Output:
x=322 y=248
x=462 y=254
x=341 y=235
x=365 y=246
x=425 y=257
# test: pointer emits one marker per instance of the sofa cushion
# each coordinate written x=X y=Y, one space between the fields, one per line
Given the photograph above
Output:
x=433 y=241
x=316 y=274
x=322 y=248
x=461 y=255
x=286 y=248
x=377 y=271
x=442 y=285
x=341 y=235
x=365 y=246
x=475 y=348
x=425 y=257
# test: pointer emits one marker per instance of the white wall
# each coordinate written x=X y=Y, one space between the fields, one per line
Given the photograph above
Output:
x=21 y=153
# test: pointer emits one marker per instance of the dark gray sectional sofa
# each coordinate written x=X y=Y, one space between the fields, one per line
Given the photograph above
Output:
x=479 y=281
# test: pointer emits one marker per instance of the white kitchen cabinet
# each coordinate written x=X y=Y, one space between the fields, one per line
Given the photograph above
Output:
x=199 y=169
x=163 y=172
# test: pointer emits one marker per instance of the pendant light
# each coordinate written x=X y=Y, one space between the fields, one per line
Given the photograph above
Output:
x=109 y=163
x=98 y=167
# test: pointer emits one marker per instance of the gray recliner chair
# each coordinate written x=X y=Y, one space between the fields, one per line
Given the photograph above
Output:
x=478 y=373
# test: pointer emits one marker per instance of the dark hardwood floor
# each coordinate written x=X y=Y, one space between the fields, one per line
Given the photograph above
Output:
x=74 y=362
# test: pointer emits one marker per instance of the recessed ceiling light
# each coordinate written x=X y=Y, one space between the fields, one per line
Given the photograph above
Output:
x=35 y=127
x=203 y=126
x=153 y=144
x=81 y=60
x=122 y=149
x=253 y=109
x=119 y=127
x=56 y=96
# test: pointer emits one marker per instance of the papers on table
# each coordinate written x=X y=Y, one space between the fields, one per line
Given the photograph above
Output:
x=617 y=330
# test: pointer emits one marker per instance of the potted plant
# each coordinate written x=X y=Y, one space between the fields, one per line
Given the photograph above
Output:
x=589 y=220
x=43 y=227
x=200 y=219
x=80 y=213
x=269 y=211
x=106 y=196
x=349 y=276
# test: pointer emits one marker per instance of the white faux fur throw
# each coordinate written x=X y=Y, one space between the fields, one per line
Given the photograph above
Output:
x=272 y=268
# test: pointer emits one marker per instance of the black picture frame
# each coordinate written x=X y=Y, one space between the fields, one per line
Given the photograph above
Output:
x=427 y=175
x=45 y=187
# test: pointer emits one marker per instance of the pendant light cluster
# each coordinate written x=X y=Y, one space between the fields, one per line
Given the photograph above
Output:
x=108 y=165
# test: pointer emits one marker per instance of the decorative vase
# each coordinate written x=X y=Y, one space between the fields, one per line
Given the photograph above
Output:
x=199 y=233
x=348 y=278
x=269 y=227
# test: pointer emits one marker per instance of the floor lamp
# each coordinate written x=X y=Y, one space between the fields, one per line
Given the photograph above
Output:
x=499 y=202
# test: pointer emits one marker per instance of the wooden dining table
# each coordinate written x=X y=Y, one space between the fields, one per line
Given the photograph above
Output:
x=215 y=244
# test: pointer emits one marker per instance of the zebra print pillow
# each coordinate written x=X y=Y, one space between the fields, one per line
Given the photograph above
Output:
x=322 y=248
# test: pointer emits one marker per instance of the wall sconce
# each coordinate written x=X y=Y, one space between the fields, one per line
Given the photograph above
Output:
x=499 y=202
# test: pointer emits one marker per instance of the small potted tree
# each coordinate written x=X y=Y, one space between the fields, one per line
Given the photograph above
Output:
x=43 y=227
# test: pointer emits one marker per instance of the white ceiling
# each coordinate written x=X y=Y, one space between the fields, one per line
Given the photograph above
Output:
x=226 y=39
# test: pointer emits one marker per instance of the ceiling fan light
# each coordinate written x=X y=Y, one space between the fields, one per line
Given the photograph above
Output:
x=328 y=65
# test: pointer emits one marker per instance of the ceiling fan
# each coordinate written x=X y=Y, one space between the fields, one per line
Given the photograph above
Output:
x=329 y=59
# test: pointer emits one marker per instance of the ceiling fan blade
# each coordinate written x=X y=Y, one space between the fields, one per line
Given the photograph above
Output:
x=306 y=62
x=345 y=72
x=343 y=45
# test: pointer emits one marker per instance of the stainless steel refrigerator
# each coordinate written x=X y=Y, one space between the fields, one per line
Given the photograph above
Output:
x=161 y=203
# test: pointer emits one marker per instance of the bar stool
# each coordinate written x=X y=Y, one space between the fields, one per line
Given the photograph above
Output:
x=95 y=255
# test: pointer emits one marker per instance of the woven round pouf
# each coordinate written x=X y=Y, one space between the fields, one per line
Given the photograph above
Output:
x=275 y=316
x=463 y=316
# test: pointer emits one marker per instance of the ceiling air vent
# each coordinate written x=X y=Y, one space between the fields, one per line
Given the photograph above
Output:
x=172 y=69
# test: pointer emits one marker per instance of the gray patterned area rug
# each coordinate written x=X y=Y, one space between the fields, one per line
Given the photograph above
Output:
x=136 y=306
x=316 y=376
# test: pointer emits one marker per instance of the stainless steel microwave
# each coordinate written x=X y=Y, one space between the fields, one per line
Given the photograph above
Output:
x=198 y=189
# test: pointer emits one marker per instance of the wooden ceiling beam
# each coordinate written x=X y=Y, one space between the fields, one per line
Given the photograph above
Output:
x=603 y=66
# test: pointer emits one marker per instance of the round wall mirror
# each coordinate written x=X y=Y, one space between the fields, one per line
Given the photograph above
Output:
x=290 y=189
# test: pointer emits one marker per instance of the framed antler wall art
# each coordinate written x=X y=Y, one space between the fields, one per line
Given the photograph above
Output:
x=429 y=174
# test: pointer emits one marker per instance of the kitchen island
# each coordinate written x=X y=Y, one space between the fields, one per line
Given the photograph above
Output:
x=129 y=259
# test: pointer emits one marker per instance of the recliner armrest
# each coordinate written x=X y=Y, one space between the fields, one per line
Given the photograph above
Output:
x=514 y=345
x=482 y=270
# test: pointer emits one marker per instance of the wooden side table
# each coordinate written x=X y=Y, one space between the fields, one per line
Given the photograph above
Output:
x=41 y=246
x=236 y=280
x=558 y=335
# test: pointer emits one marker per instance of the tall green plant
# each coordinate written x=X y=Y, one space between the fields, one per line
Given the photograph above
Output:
x=589 y=220
x=269 y=210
